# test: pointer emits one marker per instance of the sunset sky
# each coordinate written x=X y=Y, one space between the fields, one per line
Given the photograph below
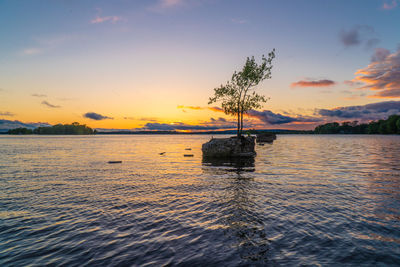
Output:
x=153 y=64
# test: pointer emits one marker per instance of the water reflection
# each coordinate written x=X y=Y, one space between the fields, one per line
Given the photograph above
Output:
x=237 y=165
x=305 y=200
x=243 y=222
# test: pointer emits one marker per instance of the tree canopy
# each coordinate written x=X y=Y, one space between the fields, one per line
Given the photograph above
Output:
x=74 y=128
x=388 y=126
x=238 y=95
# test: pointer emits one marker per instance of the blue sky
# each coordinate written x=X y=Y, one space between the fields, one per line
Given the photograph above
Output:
x=142 y=59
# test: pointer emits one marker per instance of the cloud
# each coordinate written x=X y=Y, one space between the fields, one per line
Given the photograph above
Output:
x=112 y=19
x=169 y=3
x=270 y=117
x=380 y=54
x=216 y=109
x=183 y=127
x=50 y=105
x=391 y=5
x=31 y=51
x=5 y=125
x=100 y=19
x=367 y=112
x=352 y=84
x=316 y=83
x=96 y=116
x=238 y=21
x=220 y=119
x=6 y=113
x=46 y=43
x=163 y=5
x=265 y=116
x=359 y=34
x=38 y=95
x=382 y=74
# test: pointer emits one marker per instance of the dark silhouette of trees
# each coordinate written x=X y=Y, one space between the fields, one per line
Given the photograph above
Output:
x=74 y=128
x=237 y=96
x=388 y=126
x=20 y=131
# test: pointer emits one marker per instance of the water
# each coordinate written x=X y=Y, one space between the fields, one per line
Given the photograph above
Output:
x=311 y=200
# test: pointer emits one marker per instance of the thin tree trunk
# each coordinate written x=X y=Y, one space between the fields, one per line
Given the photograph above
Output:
x=241 y=121
x=238 y=124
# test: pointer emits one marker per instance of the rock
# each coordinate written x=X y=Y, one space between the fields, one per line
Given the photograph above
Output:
x=229 y=147
x=266 y=137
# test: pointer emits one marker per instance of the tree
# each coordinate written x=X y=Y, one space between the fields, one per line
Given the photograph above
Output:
x=391 y=123
x=237 y=96
x=398 y=126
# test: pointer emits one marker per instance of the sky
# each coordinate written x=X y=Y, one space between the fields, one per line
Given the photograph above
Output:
x=153 y=64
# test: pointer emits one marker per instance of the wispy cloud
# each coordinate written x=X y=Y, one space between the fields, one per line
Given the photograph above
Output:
x=315 y=83
x=164 y=5
x=38 y=95
x=43 y=44
x=31 y=51
x=216 y=109
x=169 y=3
x=359 y=35
x=96 y=116
x=6 y=113
x=100 y=19
x=50 y=105
x=389 y=5
x=382 y=74
x=239 y=21
x=352 y=83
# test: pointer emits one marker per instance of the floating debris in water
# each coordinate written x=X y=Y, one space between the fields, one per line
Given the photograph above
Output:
x=188 y=155
x=162 y=153
x=188 y=148
x=115 y=161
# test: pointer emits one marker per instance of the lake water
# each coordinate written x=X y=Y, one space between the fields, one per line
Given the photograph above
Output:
x=322 y=200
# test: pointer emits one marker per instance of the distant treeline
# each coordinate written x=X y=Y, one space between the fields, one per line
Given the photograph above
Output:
x=74 y=128
x=388 y=126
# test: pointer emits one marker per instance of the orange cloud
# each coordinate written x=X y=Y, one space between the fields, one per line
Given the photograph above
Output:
x=216 y=109
x=382 y=74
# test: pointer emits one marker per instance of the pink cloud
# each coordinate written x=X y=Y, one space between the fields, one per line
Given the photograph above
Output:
x=101 y=19
x=388 y=6
x=317 y=83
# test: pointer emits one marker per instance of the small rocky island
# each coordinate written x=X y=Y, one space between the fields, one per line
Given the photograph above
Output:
x=229 y=147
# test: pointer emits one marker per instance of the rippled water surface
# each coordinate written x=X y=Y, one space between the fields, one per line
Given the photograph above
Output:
x=305 y=199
